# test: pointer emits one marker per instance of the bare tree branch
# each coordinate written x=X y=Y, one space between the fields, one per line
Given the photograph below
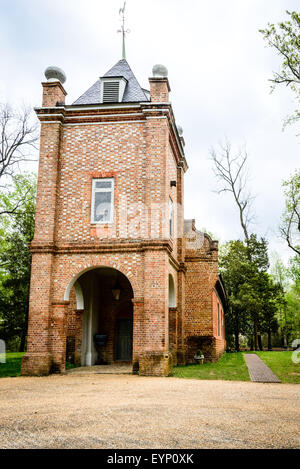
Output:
x=18 y=134
x=290 y=224
x=231 y=171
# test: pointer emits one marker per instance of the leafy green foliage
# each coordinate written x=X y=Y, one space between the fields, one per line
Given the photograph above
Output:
x=290 y=225
x=285 y=39
x=17 y=231
x=288 y=315
x=294 y=272
x=253 y=296
x=293 y=300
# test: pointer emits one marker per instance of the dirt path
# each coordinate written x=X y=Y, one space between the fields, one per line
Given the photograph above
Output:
x=109 y=411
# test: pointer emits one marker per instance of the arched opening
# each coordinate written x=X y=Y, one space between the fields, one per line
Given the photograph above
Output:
x=104 y=333
x=172 y=292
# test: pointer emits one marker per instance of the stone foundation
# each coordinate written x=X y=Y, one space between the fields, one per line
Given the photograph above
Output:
x=36 y=364
x=155 y=364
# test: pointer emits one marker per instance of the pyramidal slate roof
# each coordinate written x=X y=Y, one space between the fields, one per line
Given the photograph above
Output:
x=133 y=91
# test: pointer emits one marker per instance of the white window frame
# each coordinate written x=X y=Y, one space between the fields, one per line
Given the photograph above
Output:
x=122 y=85
x=94 y=190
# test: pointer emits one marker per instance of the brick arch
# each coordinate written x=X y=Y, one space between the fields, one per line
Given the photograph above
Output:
x=78 y=290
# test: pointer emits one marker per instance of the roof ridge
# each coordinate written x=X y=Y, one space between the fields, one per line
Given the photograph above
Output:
x=133 y=91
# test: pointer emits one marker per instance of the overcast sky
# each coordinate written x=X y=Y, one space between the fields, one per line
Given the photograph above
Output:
x=218 y=71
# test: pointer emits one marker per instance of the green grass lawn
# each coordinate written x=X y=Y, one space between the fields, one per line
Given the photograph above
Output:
x=282 y=366
x=12 y=367
x=231 y=366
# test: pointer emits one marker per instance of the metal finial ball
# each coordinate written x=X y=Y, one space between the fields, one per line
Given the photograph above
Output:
x=160 y=71
x=55 y=73
x=180 y=130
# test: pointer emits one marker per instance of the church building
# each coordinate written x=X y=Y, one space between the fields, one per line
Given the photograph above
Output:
x=118 y=275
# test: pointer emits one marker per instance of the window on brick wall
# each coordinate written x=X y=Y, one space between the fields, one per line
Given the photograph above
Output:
x=171 y=216
x=102 y=200
x=218 y=319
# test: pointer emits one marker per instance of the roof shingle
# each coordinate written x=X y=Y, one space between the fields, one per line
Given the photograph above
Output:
x=133 y=91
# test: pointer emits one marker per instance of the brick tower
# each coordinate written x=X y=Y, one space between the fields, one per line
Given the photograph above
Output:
x=108 y=272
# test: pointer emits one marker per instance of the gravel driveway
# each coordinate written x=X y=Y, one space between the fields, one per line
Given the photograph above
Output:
x=125 y=411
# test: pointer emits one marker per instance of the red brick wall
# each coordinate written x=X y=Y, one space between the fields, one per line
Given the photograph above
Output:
x=159 y=89
x=141 y=155
x=219 y=333
x=53 y=92
x=139 y=147
x=200 y=296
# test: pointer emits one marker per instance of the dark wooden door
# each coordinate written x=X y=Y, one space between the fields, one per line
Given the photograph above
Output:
x=124 y=340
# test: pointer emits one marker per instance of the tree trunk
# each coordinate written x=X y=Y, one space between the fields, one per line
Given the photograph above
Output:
x=23 y=341
x=251 y=343
x=255 y=336
x=237 y=334
x=259 y=342
x=237 y=341
x=269 y=340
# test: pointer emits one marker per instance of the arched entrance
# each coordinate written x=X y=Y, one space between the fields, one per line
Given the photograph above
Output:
x=104 y=295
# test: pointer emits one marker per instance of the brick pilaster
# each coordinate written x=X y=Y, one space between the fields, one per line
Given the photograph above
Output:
x=53 y=94
x=159 y=89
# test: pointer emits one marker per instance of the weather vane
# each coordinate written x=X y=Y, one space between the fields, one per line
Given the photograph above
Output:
x=123 y=30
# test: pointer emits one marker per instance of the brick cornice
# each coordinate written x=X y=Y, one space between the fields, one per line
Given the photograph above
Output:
x=106 y=114
x=54 y=84
x=199 y=258
x=103 y=247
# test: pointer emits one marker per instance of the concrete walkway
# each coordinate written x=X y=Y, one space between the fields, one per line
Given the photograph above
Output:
x=258 y=370
x=115 y=369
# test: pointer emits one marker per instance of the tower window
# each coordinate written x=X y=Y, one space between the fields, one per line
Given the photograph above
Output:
x=112 y=89
x=102 y=200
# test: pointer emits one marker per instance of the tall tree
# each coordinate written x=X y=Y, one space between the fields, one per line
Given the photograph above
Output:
x=293 y=300
x=271 y=297
x=17 y=231
x=285 y=39
x=18 y=138
x=290 y=223
x=233 y=262
x=230 y=168
x=253 y=296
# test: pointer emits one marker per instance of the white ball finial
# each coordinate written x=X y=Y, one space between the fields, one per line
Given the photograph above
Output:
x=160 y=71
x=54 y=74
x=180 y=130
